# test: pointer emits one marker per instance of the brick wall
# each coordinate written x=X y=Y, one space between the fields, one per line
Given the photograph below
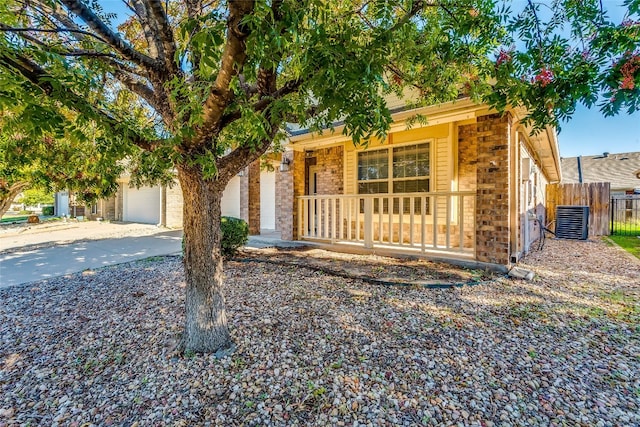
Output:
x=106 y=210
x=119 y=208
x=468 y=177
x=492 y=199
x=329 y=163
x=253 y=200
x=244 y=195
x=173 y=206
x=109 y=208
x=290 y=185
x=467 y=157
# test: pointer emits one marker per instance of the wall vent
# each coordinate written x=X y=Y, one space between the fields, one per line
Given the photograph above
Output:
x=572 y=222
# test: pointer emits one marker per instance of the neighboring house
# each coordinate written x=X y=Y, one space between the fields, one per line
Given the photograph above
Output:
x=468 y=185
x=621 y=170
x=162 y=205
x=66 y=204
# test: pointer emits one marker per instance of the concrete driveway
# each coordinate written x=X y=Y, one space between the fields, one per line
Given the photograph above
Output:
x=35 y=252
x=37 y=262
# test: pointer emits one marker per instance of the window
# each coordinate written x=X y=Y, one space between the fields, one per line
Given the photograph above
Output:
x=94 y=209
x=410 y=173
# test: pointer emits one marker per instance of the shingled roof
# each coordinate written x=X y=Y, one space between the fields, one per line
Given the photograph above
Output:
x=622 y=170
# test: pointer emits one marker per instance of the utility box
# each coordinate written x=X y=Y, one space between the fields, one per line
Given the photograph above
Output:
x=572 y=222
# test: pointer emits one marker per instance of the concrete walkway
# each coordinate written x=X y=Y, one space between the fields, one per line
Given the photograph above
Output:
x=28 y=265
x=50 y=251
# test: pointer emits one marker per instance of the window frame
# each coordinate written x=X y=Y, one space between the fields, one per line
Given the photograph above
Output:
x=390 y=179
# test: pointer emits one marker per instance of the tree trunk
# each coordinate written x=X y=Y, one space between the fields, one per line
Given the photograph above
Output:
x=206 y=329
x=7 y=195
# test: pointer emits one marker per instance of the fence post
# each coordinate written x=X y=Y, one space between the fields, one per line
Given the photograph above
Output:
x=611 y=216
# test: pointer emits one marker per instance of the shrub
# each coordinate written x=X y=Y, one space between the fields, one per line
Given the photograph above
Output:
x=47 y=210
x=235 y=233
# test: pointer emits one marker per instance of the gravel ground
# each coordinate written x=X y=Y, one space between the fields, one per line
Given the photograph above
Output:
x=314 y=348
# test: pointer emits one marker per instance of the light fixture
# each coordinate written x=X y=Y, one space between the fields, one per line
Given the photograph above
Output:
x=284 y=165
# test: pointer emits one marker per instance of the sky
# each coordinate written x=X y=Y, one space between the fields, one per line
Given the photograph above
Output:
x=590 y=133
x=587 y=133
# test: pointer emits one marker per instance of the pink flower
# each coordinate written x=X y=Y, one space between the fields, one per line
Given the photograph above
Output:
x=627 y=83
x=544 y=77
x=503 y=56
x=628 y=70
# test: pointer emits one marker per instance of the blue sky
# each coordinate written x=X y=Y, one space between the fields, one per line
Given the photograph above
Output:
x=589 y=132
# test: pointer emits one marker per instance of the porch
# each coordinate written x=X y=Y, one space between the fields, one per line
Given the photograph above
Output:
x=421 y=223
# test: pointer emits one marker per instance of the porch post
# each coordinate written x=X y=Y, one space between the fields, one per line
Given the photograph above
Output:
x=289 y=186
x=493 y=234
x=368 y=222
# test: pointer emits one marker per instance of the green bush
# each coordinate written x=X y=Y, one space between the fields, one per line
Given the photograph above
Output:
x=235 y=233
x=47 y=210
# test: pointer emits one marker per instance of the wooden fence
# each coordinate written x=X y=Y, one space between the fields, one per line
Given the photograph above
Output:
x=595 y=195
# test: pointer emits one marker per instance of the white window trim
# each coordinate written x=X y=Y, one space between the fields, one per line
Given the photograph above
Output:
x=390 y=178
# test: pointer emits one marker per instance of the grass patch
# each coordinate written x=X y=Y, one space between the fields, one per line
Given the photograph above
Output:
x=626 y=228
x=13 y=219
x=630 y=244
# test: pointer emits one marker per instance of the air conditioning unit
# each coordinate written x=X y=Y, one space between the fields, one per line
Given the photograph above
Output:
x=572 y=222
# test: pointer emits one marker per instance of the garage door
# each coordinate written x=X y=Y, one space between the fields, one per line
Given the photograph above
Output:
x=142 y=205
x=268 y=200
x=230 y=203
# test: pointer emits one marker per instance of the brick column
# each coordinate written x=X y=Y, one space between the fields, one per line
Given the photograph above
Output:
x=174 y=205
x=244 y=195
x=492 y=200
x=289 y=185
x=253 y=195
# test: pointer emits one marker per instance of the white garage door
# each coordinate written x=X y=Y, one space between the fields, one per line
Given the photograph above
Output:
x=142 y=205
x=268 y=200
x=230 y=203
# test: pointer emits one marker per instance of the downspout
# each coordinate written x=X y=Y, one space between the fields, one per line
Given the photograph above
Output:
x=580 y=169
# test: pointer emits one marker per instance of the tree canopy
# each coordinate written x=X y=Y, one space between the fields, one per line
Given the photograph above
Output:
x=35 y=154
x=202 y=89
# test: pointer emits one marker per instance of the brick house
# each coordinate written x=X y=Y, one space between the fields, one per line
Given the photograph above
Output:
x=468 y=186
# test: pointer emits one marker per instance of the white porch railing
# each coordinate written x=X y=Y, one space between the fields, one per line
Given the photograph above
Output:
x=440 y=221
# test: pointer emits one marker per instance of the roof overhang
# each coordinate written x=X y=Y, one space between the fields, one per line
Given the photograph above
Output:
x=544 y=145
x=454 y=111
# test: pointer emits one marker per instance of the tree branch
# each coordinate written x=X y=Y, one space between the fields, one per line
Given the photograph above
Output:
x=241 y=157
x=148 y=94
x=264 y=102
x=166 y=34
x=111 y=38
x=141 y=12
x=233 y=59
x=41 y=79
x=53 y=30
